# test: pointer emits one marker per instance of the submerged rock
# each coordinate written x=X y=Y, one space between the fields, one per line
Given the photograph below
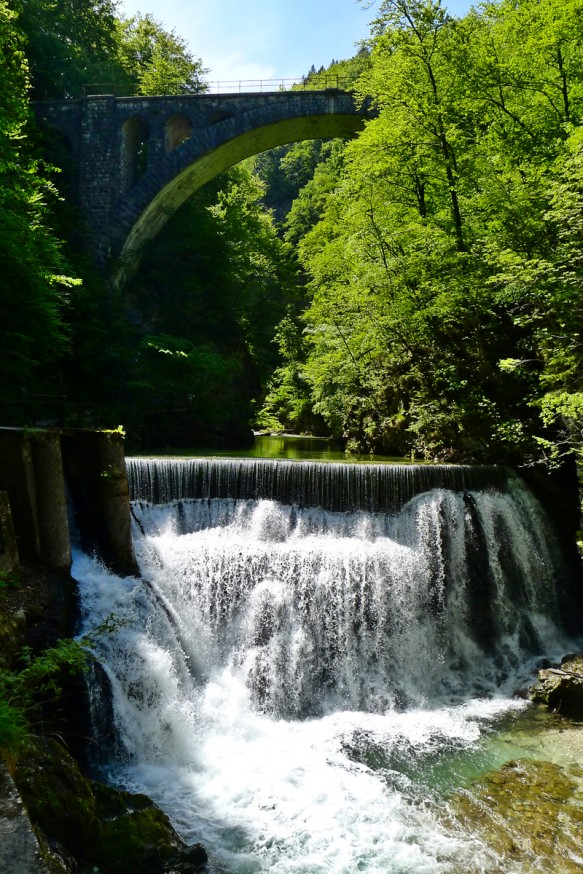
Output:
x=562 y=688
x=527 y=812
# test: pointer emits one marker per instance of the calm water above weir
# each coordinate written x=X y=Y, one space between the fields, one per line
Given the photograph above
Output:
x=319 y=654
x=287 y=446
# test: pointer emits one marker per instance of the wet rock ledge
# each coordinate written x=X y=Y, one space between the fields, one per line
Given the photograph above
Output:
x=561 y=688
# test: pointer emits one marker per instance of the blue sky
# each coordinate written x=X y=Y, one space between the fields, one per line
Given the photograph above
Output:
x=266 y=39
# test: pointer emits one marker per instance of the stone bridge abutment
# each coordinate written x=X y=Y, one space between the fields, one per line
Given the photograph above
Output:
x=137 y=159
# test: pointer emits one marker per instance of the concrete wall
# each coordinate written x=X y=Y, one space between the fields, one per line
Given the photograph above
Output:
x=38 y=471
x=95 y=469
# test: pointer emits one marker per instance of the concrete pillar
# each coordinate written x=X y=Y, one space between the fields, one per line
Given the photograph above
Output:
x=17 y=478
x=31 y=472
x=51 y=500
x=95 y=470
x=32 y=468
x=99 y=176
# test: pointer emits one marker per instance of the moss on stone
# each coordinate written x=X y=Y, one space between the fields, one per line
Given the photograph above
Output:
x=58 y=798
x=101 y=827
x=135 y=839
x=572 y=663
x=561 y=689
x=528 y=812
x=11 y=635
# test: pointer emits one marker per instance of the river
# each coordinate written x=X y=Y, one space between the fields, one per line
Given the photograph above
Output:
x=307 y=685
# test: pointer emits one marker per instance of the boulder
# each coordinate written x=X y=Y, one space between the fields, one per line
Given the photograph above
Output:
x=137 y=836
x=58 y=798
x=561 y=688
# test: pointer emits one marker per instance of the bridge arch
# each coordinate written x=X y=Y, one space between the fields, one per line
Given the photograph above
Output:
x=195 y=174
x=133 y=153
x=140 y=158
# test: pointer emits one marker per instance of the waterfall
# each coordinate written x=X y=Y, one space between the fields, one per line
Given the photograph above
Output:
x=332 y=486
x=293 y=619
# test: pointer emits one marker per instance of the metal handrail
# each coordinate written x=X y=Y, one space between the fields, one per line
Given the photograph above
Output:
x=321 y=82
x=312 y=82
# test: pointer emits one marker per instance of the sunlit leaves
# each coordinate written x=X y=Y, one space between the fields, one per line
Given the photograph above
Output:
x=157 y=61
x=33 y=282
x=70 y=44
x=444 y=254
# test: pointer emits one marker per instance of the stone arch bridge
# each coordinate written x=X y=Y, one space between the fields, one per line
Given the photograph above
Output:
x=137 y=159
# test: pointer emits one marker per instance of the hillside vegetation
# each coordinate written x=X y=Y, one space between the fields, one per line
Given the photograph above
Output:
x=416 y=290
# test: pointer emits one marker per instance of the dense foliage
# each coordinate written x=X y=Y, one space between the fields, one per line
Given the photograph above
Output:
x=444 y=313
x=33 y=281
x=64 y=335
x=29 y=690
x=204 y=307
x=415 y=290
x=77 y=46
x=155 y=61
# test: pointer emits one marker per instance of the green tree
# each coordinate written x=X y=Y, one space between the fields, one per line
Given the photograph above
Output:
x=73 y=44
x=157 y=61
x=420 y=252
x=33 y=284
x=69 y=44
x=205 y=302
x=543 y=293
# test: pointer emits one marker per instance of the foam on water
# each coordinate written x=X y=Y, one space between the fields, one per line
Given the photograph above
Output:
x=298 y=687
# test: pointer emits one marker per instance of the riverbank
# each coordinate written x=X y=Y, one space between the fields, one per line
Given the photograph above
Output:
x=53 y=817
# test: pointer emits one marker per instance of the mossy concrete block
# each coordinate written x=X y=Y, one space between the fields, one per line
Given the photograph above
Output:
x=19 y=848
x=8 y=549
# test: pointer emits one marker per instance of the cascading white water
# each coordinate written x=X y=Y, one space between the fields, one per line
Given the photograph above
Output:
x=287 y=676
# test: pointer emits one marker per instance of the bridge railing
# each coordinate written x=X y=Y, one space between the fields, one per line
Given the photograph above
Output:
x=318 y=82
x=305 y=83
